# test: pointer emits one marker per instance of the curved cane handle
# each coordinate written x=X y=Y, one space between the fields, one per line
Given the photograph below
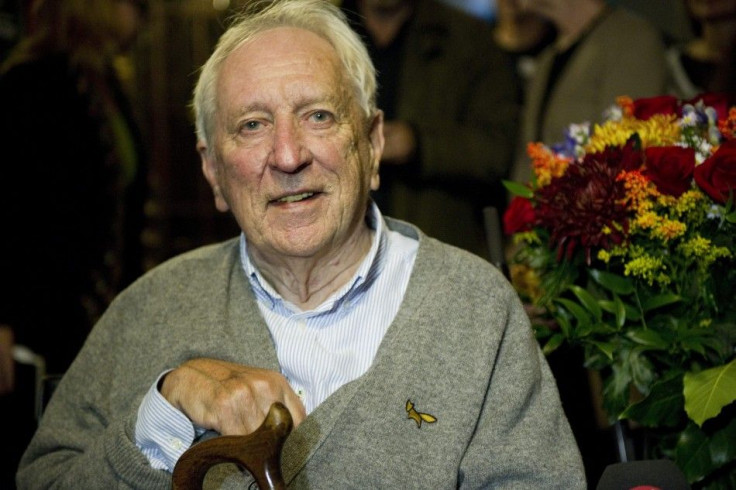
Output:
x=259 y=453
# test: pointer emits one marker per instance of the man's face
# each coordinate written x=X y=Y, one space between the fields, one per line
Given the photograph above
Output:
x=293 y=157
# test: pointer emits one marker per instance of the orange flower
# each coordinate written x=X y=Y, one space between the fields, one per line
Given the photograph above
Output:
x=727 y=126
x=626 y=104
x=639 y=190
x=546 y=164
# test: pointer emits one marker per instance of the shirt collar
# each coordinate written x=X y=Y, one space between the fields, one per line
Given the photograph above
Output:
x=368 y=270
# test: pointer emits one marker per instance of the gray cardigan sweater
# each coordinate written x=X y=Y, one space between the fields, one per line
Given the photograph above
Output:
x=460 y=349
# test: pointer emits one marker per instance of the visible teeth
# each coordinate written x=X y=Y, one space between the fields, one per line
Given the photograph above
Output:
x=296 y=197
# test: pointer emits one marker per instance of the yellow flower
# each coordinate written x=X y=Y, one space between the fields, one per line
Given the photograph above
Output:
x=639 y=190
x=529 y=237
x=526 y=281
x=659 y=130
x=646 y=220
x=702 y=250
x=648 y=268
x=692 y=207
x=697 y=247
x=668 y=229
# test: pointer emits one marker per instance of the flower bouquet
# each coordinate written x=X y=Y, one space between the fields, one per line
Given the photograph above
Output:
x=626 y=241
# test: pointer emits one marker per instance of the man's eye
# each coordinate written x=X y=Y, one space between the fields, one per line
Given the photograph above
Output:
x=321 y=116
x=251 y=125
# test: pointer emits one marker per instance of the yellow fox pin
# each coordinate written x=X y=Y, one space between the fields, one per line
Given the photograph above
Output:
x=418 y=417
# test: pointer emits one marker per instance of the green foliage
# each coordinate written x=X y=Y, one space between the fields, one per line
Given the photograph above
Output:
x=517 y=189
x=656 y=409
x=653 y=342
x=708 y=391
x=700 y=452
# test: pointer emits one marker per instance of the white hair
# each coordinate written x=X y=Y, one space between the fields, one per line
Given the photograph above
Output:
x=318 y=16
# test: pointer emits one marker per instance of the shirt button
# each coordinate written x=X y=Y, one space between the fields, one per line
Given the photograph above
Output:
x=176 y=443
x=300 y=393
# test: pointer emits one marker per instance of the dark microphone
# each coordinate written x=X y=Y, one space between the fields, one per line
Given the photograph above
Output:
x=656 y=474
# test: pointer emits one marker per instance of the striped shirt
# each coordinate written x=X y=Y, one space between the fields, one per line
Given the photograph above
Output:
x=318 y=350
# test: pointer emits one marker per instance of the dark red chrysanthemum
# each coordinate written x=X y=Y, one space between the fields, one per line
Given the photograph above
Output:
x=585 y=206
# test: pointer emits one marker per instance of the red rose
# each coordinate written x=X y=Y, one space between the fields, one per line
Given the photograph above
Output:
x=717 y=175
x=663 y=104
x=519 y=216
x=670 y=168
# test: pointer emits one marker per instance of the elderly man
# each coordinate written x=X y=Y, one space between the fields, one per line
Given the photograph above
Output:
x=322 y=304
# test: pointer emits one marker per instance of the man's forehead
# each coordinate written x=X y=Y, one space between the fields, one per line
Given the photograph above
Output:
x=277 y=43
x=281 y=63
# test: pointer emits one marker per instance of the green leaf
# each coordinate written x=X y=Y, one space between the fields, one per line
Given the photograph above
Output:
x=588 y=301
x=616 y=389
x=642 y=371
x=612 y=282
x=648 y=338
x=632 y=313
x=698 y=455
x=707 y=392
x=694 y=343
x=620 y=312
x=663 y=406
x=553 y=343
x=518 y=189
x=659 y=301
x=606 y=347
x=577 y=311
x=603 y=329
x=607 y=305
x=564 y=324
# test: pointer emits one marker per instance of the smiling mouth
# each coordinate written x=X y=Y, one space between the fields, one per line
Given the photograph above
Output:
x=296 y=197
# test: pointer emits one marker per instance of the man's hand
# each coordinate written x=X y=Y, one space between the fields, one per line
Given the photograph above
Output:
x=229 y=398
x=7 y=364
x=401 y=143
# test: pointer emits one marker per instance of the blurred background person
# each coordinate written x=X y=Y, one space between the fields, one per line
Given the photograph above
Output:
x=451 y=109
x=72 y=186
x=600 y=52
x=705 y=62
x=522 y=35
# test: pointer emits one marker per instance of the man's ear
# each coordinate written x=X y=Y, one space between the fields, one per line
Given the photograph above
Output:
x=377 y=141
x=210 y=171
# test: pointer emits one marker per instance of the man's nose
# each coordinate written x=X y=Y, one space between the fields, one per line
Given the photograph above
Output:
x=289 y=153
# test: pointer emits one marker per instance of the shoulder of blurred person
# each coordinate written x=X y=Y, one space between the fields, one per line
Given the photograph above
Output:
x=439 y=22
x=443 y=40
